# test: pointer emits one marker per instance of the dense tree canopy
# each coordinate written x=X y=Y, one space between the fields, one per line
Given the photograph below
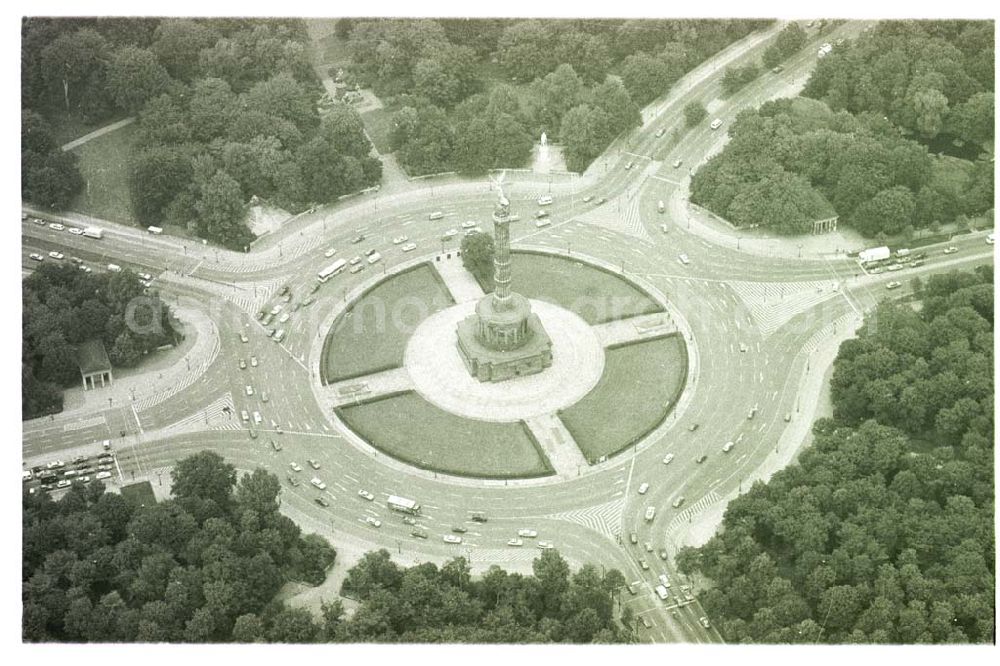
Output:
x=62 y=307
x=97 y=567
x=49 y=176
x=791 y=162
x=882 y=532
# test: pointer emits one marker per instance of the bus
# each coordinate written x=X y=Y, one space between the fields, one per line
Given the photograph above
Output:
x=332 y=270
x=403 y=505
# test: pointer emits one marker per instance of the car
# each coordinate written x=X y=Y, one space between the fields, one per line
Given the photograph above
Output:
x=662 y=593
x=643 y=488
x=894 y=285
x=263 y=396
x=243 y=338
x=316 y=482
x=650 y=512
x=285 y=289
x=662 y=553
x=36 y=256
x=778 y=69
x=105 y=466
x=55 y=226
x=313 y=289
x=451 y=233
x=270 y=332
x=700 y=459
x=678 y=502
x=55 y=464
x=541 y=214
x=588 y=198
x=451 y=538
x=543 y=223
x=648 y=547
x=683 y=258
x=951 y=249
x=399 y=239
x=374 y=522
x=275 y=445
x=660 y=132
x=145 y=276
x=357 y=239
x=367 y=495
x=895 y=267
x=26 y=475
x=313 y=463
x=354 y=261
x=716 y=124
x=358 y=268
x=646 y=622
x=64 y=483
x=667 y=459
x=916 y=262
x=292 y=481
x=243 y=364
x=409 y=247
x=469 y=224
x=253 y=433
x=309 y=301
x=76 y=231
x=277 y=428
x=515 y=542
x=322 y=501
x=692 y=427
x=369 y=252
x=600 y=201
x=990 y=239
x=526 y=533
x=633 y=538
x=86 y=269
x=644 y=564
x=420 y=534
x=329 y=253
x=688 y=596
x=728 y=446
x=743 y=348
x=249 y=390
x=295 y=466
x=629 y=165
x=678 y=163
x=57 y=255
x=459 y=529
x=103 y=475
x=545 y=545
x=374 y=258
x=409 y=520
x=704 y=622
x=477 y=516
x=284 y=317
x=664 y=581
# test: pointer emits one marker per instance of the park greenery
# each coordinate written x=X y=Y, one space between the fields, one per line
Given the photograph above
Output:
x=789 y=41
x=794 y=161
x=199 y=567
x=477 y=255
x=882 y=532
x=63 y=307
x=205 y=566
x=474 y=94
x=49 y=176
x=228 y=110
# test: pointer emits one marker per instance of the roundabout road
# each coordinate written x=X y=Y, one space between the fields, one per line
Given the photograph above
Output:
x=754 y=319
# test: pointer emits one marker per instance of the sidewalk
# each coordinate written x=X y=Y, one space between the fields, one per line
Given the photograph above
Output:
x=462 y=286
x=96 y=133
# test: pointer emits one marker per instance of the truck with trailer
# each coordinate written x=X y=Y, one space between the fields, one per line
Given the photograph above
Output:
x=874 y=254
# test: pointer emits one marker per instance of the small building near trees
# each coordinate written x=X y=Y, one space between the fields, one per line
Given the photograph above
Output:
x=94 y=364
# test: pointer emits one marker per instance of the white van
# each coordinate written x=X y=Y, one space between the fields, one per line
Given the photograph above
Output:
x=544 y=222
x=374 y=257
x=660 y=207
x=544 y=200
x=437 y=215
x=661 y=592
x=154 y=230
x=114 y=268
x=716 y=124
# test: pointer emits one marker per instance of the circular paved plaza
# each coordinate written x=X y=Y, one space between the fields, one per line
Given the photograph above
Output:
x=433 y=363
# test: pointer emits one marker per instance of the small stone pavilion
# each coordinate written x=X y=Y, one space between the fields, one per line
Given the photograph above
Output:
x=94 y=364
x=504 y=338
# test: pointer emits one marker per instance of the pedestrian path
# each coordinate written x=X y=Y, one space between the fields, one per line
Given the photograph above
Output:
x=247 y=296
x=605 y=519
x=181 y=375
x=462 y=286
x=633 y=329
x=287 y=251
x=96 y=133
x=557 y=442
x=620 y=214
x=358 y=389
x=773 y=304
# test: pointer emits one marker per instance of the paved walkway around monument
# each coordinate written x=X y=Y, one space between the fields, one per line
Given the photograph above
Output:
x=357 y=389
x=559 y=446
x=634 y=329
x=460 y=283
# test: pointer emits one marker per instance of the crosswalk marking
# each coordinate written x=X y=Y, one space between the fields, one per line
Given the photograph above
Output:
x=210 y=417
x=773 y=304
x=688 y=514
x=619 y=214
x=604 y=518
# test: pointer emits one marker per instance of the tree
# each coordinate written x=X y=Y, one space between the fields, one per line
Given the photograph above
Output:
x=646 y=77
x=221 y=209
x=155 y=177
x=694 y=113
x=477 y=255
x=74 y=66
x=374 y=571
x=204 y=475
x=345 y=132
x=552 y=573
x=258 y=492
x=134 y=77
x=177 y=43
x=584 y=135
x=888 y=211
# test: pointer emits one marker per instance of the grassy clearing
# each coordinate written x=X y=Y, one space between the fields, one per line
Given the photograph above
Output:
x=104 y=167
x=410 y=428
x=140 y=493
x=595 y=295
x=639 y=382
x=371 y=336
x=333 y=50
x=378 y=123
